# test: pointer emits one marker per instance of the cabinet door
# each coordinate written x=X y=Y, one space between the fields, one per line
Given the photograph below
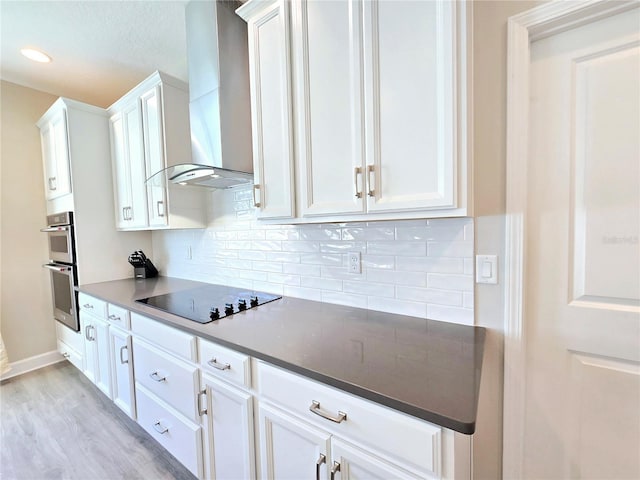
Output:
x=327 y=58
x=103 y=356
x=271 y=112
x=122 y=182
x=229 y=430
x=122 y=371
x=87 y=327
x=351 y=463
x=410 y=102
x=55 y=155
x=153 y=135
x=290 y=448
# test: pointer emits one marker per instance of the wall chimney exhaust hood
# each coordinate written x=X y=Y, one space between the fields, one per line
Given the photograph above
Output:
x=219 y=103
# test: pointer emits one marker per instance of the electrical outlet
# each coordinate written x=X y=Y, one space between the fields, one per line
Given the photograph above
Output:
x=354 y=263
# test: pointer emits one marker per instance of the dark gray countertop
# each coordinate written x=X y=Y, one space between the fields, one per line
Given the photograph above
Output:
x=426 y=368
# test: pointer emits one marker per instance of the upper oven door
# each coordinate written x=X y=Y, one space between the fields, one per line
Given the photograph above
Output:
x=60 y=241
x=64 y=294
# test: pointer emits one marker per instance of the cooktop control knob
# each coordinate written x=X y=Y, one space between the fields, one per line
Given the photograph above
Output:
x=228 y=309
x=242 y=304
x=254 y=301
x=214 y=314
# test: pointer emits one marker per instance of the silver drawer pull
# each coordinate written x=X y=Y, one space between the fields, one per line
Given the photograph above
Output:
x=87 y=305
x=114 y=317
x=65 y=354
x=334 y=469
x=156 y=376
x=220 y=366
x=315 y=408
x=160 y=429
x=322 y=459
x=122 y=360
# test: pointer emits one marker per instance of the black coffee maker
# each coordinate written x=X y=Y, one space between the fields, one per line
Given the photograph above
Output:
x=142 y=266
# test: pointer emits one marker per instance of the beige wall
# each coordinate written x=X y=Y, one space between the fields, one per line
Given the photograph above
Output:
x=489 y=130
x=25 y=295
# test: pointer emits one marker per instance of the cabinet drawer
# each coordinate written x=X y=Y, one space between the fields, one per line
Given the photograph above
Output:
x=225 y=363
x=173 y=380
x=92 y=305
x=118 y=316
x=169 y=338
x=68 y=336
x=399 y=435
x=71 y=354
x=179 y=436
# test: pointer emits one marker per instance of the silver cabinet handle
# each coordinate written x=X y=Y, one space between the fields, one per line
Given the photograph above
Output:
x=87 y=329
x=114 y=318
x=321 y=459
x=127 y=213
x=160 y=208
x=65 y=354
x=52 y=183
x=122 y=360
x=156 y=376
x=159 y=428
x=220 y=366
x=255 y=202
x=87 y=305
x=334 y=469
x=357 y=171
x=201 y=411
x=124 y=213
x=315 y=408
x=130 y=210
x=370 y=191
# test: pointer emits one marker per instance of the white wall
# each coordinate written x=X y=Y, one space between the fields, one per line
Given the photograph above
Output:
x=420 y=268
x=26 y=320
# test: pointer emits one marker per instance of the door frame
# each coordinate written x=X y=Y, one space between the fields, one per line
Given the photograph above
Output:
x=523 y=29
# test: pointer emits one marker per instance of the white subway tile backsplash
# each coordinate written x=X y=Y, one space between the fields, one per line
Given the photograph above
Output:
x=349 y=299
x=450 y=282
x=430 y=264
x=421 y=268
x=410 y=249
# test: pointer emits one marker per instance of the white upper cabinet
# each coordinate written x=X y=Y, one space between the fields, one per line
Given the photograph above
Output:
x=379 y=95
x=270 y=80
x=55 y=151
x=149 y=132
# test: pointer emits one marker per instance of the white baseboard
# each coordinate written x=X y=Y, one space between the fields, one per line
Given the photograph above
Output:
x=32 y=363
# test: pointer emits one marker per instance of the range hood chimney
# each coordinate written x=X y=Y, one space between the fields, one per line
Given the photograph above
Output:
x=219 y=104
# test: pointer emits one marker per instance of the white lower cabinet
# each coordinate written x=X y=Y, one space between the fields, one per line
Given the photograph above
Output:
x=122 y=370
x=180 y=436
x=290 y=448
x=229 y=435
x=97 y=364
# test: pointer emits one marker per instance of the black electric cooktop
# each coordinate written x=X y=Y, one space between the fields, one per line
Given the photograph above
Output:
x=209 y=303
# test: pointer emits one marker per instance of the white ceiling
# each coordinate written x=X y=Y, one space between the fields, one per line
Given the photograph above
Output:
x=100 y=49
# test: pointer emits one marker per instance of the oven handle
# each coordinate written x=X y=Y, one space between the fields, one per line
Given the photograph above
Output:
x=57 y=268
x=54 y=229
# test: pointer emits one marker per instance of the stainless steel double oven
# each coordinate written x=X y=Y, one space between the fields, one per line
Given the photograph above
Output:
x=62 y=267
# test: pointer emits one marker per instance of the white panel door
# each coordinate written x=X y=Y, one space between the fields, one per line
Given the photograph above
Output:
x=327 y=46
x=289 y=448
x=62 y=179
x=410 y=104
x=350 y=463
x=153 y=135
x=582 y=283
x=134 y=151
x=229 y=427
x=122 y=371
x=122 y=184
x=270 y=74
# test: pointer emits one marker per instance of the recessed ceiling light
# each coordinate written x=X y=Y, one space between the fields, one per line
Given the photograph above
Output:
x=35 y=55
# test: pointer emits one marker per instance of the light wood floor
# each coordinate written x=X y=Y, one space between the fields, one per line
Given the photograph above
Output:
x=54 y=423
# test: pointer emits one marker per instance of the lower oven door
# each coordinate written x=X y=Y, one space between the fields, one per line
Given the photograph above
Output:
x=63 y=281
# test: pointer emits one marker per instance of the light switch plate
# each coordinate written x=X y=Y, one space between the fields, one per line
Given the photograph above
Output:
x=487 y=269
